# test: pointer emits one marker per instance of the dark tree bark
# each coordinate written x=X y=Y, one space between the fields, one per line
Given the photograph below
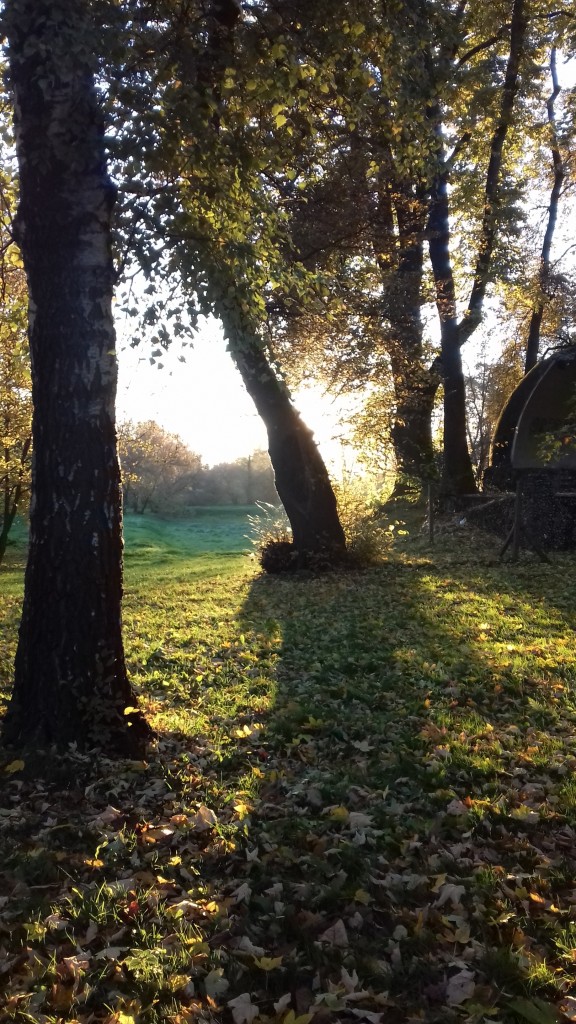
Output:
x=415 y=386
x=300 y=475
x=558 y=172
x=457 y=472
x=71 y=684
x=458 y=475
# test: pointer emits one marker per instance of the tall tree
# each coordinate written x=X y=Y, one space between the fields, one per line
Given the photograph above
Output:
x=70 y=683
x=213 y=214
x=546 y=284
x=159 y=470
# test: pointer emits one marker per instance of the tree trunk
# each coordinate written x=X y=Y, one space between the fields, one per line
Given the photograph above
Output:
x=4 y=534
x=71 y=684
x=11 y=501
x=415 y=389
x=414 y=385
x=559 y=171
x=300 y=475
x=458 y=475
x=457 y=472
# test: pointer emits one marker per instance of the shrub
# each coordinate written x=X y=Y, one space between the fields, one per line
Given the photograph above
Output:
x=368 y=536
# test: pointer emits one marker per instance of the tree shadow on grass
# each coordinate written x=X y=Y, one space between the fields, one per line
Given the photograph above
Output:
x=418 y=762
x=355 y=774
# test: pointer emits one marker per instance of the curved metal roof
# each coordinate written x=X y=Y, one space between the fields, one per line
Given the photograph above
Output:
x=544 y=435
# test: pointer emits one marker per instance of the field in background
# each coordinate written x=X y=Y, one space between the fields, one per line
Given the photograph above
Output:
x=361 y=806
x=215 y=530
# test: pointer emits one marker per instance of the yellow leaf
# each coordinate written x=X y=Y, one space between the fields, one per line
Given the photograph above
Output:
x=268 y=963
x=291 y=1018
x=438 y=882
x=14 y=766
x=339 y=813
x=361 y=896
x=130 y=710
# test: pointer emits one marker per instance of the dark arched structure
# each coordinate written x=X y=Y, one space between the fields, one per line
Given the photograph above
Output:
x=499 y=474
x=543 y=401
x=534 y=452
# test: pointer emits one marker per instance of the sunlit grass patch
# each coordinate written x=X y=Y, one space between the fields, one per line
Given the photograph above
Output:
x=360 y=800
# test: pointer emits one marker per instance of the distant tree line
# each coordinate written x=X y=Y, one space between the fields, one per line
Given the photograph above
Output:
x=161 y=474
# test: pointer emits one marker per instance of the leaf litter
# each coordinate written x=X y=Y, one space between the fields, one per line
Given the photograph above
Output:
x=363 y=811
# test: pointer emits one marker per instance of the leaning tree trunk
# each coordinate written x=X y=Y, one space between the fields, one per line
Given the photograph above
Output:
x=300 y=474
x=71 y=684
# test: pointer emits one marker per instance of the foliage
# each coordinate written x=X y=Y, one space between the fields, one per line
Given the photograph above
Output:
x=15 y=383
x=368 y=532
x=161 y=474
x=488 y=390
x=242 y=482
x=269 y=523
x=271 y=536
x=361 y=806
x=158 y=469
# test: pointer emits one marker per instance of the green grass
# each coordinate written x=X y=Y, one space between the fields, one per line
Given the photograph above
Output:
x=362 y=797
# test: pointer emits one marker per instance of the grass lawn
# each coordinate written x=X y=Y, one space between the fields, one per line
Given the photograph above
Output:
x=362 y=805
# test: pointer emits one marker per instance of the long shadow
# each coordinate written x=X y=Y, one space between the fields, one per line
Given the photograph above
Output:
x=419 y=756
x=393 y=792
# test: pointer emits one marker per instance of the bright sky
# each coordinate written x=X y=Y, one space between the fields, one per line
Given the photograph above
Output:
x=204 y=400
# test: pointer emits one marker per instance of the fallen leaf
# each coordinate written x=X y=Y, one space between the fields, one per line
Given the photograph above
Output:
x=215 y=984
x=110 y=953
x=460 y=988
x=268 y=963
x=456 y=808
x=291 y=1018
x=203 y=819
x=336 y=935
x=568 y=1007
x=243 y=1009
x=283 y=1002
x=450 y=893
x=338 y=813
x=358 y=820
x=247 y=946
x=242 y=893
